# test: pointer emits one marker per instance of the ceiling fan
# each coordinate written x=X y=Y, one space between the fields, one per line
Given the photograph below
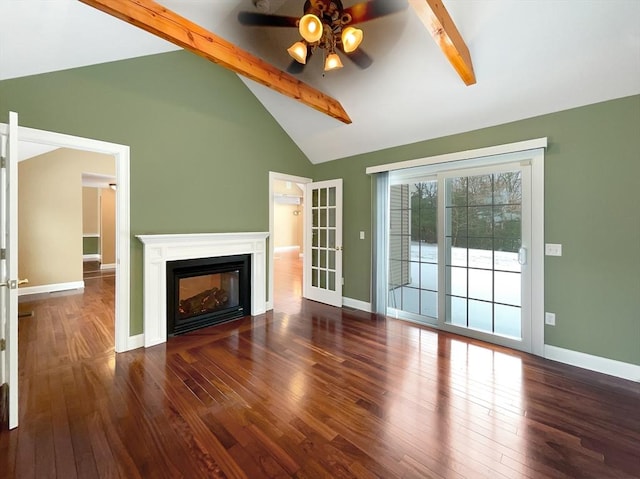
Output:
x=163 y=22
x=328 y=26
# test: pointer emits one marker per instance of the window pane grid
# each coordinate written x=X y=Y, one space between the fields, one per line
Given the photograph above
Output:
x=413 y=251
x=323 y=238
x=482 y=235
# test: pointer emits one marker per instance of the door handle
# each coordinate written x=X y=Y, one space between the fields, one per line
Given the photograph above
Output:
x=522 y=256
x=13 y=283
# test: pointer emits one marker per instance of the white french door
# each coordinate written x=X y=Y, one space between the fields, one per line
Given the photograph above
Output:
x=9 y=264
x=323 y=242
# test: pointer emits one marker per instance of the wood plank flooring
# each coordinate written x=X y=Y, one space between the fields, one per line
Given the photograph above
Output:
x=307 y=391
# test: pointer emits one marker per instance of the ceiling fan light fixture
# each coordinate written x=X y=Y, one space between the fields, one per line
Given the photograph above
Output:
x=332 y=62
x=310 y=28
x=298 y=52
x=351 y=39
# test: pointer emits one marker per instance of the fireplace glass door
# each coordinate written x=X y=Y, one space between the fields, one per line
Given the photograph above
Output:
x=207 y=291
x=205 y=294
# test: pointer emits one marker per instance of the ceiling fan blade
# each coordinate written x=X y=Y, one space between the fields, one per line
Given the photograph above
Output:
x=360 y=58
x=264 y=20
x=295 y=67
x=365 y=11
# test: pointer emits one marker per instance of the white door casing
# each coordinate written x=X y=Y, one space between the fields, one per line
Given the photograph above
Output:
x=124 y=341
x=323 y=242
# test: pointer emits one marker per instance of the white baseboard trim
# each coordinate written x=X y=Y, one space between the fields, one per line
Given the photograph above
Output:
x=50 y=288
x=108 y=266
x=91 y=257
x=593 y=363
x=356 y=304
x=269 y=305
x=134 y=342
x=282 y=249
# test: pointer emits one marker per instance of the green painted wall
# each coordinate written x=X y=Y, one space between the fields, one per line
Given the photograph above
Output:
x=592 y=198
x=201 y=144
x=90 y=245
x=199 y=138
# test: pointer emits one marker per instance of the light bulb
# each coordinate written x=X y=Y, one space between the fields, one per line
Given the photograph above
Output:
x=310 y=28
x=298 y=52
x=351 y=39
x=332 y=62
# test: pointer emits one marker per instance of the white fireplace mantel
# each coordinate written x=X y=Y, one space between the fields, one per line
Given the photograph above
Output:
x=158 y=249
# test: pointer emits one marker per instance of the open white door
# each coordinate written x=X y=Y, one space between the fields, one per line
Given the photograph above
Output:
x=323 y=242
x=9 y=263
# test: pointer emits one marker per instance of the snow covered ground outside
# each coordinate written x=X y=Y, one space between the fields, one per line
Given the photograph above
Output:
x=485 y=282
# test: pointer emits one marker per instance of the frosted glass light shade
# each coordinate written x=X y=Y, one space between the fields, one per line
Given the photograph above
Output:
x=332 y=62
x=310 y=28
x=298 y=52
x=351 y=39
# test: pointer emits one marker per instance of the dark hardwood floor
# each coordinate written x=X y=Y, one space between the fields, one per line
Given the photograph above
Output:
x=307 y=391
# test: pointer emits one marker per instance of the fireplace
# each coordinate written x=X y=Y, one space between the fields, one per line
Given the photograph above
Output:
x=160 y=249
x=202 y=292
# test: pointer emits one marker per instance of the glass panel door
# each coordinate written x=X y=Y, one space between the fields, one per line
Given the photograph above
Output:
x=464 y=245
x=484 y=252
x=413 y=250
x=323 y=267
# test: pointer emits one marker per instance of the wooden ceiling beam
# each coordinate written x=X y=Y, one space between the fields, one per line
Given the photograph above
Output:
x=444 y=32
x=156 y=19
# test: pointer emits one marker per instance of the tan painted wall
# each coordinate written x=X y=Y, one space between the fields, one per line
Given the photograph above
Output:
x=108 y=225
x=50 y=214
x=280 y=188
x=287 y=226
x=90 y=211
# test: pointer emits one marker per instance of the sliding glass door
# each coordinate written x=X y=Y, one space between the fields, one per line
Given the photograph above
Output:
x=486 y=241
x=413 y=249
x=458 y=243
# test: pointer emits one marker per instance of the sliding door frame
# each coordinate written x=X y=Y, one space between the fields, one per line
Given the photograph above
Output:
x=526 y=274
x=530 y=152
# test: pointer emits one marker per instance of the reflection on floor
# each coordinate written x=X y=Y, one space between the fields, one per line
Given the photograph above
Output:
x=91 y=270
x=320 y=392
x=287 y=281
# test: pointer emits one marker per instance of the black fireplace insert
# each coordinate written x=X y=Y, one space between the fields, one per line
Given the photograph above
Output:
x=206 y=291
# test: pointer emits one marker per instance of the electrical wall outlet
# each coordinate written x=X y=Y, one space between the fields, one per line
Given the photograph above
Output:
x=550 y=319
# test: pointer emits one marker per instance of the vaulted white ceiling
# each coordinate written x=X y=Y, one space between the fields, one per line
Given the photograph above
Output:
x=530 y=58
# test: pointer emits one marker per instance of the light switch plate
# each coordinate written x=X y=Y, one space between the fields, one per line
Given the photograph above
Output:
x=361 y=234
x=550 y=319
x=552 y=249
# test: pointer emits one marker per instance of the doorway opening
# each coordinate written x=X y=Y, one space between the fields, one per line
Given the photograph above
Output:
x=50 y=141
x=286 y=240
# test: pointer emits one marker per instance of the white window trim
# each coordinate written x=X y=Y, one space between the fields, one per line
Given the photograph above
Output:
x=462 y=155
